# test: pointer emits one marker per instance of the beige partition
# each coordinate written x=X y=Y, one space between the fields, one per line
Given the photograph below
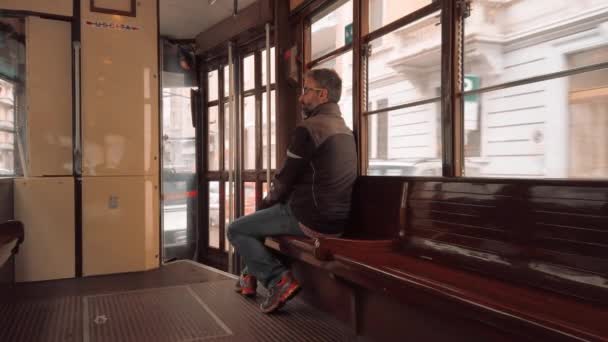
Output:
x=120 y=112
x=46 y=208
x=58 y=7
x=49 y=97
x=120 y=224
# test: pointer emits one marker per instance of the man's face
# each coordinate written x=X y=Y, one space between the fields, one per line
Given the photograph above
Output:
x=312 y=96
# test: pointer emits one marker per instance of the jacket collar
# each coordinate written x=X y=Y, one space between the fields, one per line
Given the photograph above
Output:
x=327 y=108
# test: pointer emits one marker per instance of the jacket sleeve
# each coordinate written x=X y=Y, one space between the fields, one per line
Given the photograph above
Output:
x=299 y=154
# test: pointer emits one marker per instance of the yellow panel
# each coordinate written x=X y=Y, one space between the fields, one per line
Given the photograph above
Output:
x=120 y=224
x=58 y=7
x=49 y=96
x=120 y=92
x=46 y=208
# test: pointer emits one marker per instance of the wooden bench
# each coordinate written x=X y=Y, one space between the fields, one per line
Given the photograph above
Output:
x=529 y=258
x=11 y=236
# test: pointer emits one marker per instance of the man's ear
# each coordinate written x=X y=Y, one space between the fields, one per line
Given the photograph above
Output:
x=325 y=92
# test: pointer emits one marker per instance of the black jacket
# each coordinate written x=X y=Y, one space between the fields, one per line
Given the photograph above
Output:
x=318 y=174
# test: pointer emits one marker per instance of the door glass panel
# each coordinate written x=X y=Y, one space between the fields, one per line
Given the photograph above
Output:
x=212 y=84
x=249 y=191
x=273 y=138
x=226 y=81
x=214 y=214
x=179 y=174
x=228 y=203
x=226 y=136
x=249 y=133
x=249 y=72
x=272 y=66
x=213 y=140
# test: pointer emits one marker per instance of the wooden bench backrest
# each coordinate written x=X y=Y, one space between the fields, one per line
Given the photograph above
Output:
x=377 y=208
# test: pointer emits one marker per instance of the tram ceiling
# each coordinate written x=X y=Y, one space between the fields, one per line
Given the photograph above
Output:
x=185 y=19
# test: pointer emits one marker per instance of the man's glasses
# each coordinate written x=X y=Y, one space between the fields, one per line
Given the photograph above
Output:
x=307 y=89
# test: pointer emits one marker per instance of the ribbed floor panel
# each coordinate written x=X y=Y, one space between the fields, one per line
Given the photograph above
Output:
x=201 y=311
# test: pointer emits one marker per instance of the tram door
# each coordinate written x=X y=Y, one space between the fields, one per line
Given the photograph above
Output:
x=236 y=142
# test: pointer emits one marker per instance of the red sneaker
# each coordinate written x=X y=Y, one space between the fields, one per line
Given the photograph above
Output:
x=247 y=285
x=287 y=288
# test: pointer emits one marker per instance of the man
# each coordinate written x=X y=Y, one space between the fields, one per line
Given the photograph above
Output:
x=310 y=195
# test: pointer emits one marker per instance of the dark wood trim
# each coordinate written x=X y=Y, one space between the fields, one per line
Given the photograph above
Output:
x=330 y=55
x=131 y=13
x=448 y=86
x=457 y=76
x=360 y=27
x=77 y=145
x=18 y=13
x=158 y=188
x=407 y=19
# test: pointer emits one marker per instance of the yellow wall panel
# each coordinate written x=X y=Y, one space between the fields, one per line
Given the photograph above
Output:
x=46 y=208
x=49 y=97
x=58 y=7
x=120 y=92
x=120 y=224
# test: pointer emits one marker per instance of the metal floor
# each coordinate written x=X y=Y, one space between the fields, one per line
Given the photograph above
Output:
x=180 y=302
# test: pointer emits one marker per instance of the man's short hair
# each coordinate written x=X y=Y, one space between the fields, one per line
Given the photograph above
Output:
x=328 y=79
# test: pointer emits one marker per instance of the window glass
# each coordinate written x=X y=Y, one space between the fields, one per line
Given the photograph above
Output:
x=511 y=40
x=249 y=190
x=405 y=65
x=214 y=214
x=272 y=66
x=249 y=137
x=384 y=12
x=405 y=142
x=273 y=134
x=248 y=72
x=226 y=81
x=227 y=146
x=524 y=132
x=332 y=28
x=213 y=140
x=212 y=83
x=12 y=86
x=343 y=65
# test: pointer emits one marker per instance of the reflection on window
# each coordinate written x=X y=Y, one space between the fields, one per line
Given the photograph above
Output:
x=249 y=133
x=179 y=154
x=405 y=142
x=212 y=83
x=12 y=83
x=249 y=72
x=405 y=65
x=213 y=140
x=272 y=66
x=384 y=12
x=332 y=28
x=273 y=134
x=343 y=65
x=249 y=189
x=214 y=214
x=513 y=40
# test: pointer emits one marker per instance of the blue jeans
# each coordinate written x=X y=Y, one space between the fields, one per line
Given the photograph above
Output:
x=247 y=235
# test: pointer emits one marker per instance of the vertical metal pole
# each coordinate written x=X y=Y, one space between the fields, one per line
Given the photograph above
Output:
x=231 y=139
x=268 y=107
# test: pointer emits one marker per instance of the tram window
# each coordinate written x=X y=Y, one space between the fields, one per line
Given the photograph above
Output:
x=249 y=137
x=214 y=214
x=330 y=28
x=550 y=128
x=384 y=12
x=343 y=65
x=249 y=72
x=405 y=65
x=12 y=83
x=212 y=85
x=213 y=142
x=519 y=39
x=272 y=66
x=406 y=141
x=273 y=133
